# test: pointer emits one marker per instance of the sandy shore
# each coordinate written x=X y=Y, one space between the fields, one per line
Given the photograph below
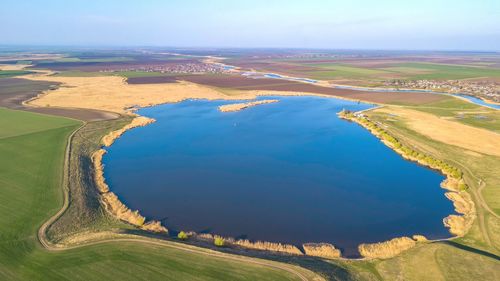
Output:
x=241 y=106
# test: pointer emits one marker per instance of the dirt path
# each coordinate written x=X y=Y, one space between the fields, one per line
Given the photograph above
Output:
x=42 y=232
x=477 y=193
x=481 y=186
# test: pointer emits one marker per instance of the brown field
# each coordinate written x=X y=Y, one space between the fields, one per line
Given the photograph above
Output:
x=15 y=91
x=152 y=80
x=263 y=84
x=116 y=66
x=111 y=93
x=278 y=67
x=309 y=67
x=13 y=66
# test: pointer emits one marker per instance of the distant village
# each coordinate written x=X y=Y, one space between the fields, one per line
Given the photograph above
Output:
x=485 y=90
x=192 y=68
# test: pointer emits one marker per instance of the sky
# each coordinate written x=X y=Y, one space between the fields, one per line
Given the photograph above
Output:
x=355 y=24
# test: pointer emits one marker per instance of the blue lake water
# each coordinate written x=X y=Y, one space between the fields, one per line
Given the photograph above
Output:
x=288 y=172
x=479 y=101
x=277 y=76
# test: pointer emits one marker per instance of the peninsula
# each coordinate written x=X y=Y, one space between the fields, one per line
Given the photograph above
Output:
x=245 y=105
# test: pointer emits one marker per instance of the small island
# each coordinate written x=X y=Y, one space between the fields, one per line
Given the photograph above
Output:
x=241 y=106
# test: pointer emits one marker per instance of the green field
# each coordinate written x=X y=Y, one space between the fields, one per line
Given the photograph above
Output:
x=72 y=58
x=447 y=71
x=330 y=71
x=464 y=112
x=31 y=169
x=386 y=71
x=32 y=148
x=12 y=73
x=410 y=70
x=473 y=257
x=126 y=74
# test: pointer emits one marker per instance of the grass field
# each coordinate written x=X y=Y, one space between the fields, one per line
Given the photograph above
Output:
x=32 y=148
x=407 y=70
x=126 y=74
x=329 y=71
x=101 y=59
x=463 y=112
x=473 y=257
x=448 y=72
x=31 y=165
x=12 y=73
x=366 y=71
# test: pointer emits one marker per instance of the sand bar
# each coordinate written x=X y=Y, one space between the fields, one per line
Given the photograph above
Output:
x=245 y=105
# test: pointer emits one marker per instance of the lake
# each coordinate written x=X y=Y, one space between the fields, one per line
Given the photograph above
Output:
x=289 y=172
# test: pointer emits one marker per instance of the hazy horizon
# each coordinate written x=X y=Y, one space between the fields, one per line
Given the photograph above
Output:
x=334 y=25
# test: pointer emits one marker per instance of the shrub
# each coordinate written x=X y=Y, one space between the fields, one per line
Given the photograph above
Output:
x=182 y=235
x=219 y=241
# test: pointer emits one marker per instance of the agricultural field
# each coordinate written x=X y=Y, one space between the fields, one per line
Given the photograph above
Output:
x=250 y=140
x=34 y=170
x=33 y=148
x=475 y=256
x=12 y=73
x=372 y=68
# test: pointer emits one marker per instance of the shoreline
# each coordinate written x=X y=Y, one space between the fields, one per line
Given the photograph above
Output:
x=318 y=249
x=326 y=83
x=458 y=225
x=110 y=200
x=105 y=237
x=117 y=208
x=241 y=106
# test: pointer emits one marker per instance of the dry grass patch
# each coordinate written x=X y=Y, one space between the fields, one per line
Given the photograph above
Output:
x=241 y=106
x=7 y=67
x=140 y=121
x=111 y=93
x=323 y=250
x=386 y=249
x=448 y=132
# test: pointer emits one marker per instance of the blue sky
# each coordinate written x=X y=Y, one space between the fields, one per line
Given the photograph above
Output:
x=357 y=24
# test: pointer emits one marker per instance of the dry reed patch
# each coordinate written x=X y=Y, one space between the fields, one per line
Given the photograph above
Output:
x=111 y=93
x=448 y=132
x=114 y=206
x=268 y=246
x=247 y=244
x=419 y=238
x=458 y=225
x=241 y=106
x=387 y=249
x=7 y=67
x=99 y=171
x=323 y=250
x=463 y=204
x=140 y=121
